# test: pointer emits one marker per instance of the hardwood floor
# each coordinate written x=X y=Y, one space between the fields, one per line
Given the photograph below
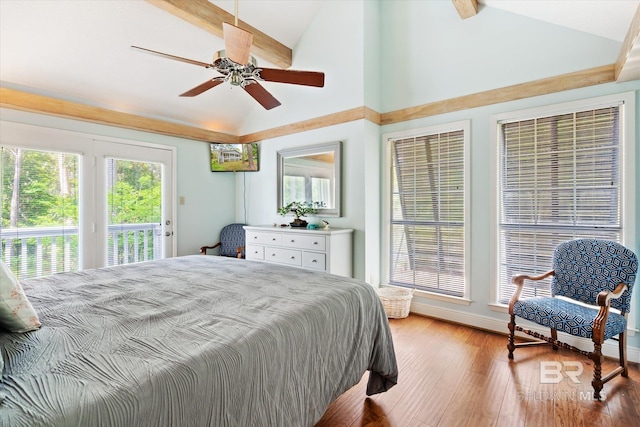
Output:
x=454 y=375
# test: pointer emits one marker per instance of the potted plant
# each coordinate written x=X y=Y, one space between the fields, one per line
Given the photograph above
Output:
x=299 y=210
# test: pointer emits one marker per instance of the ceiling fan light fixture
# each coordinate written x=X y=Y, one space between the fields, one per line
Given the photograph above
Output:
x=236 y=78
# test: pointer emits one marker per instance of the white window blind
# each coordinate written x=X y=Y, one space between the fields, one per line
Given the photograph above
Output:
x=427 y=213
x=559 y=180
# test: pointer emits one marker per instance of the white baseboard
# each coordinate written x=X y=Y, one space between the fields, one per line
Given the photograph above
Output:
x=609 y=349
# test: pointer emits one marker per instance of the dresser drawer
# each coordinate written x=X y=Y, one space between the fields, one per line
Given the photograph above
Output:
x=264 y=238
x=313 y=260
x=316 y=243
x=254 y=252
x=283 y=256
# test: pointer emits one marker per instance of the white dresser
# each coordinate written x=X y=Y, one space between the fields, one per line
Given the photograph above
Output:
x=327 y=250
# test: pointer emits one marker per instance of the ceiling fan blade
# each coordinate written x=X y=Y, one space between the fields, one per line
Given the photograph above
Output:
x=237 y=43
x=261 y=95
x=203 y=87
x=176 y=58
x=306 y=78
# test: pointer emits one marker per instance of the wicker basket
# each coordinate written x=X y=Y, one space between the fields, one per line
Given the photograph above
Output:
x=396 y=301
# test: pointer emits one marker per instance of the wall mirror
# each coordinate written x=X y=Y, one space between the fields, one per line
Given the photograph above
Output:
x=311 y=174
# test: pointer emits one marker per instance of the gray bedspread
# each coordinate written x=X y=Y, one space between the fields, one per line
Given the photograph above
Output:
x=193 y=341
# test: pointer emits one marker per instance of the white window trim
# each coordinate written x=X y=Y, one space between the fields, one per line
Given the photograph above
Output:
x=627 y=169
x=465 y=126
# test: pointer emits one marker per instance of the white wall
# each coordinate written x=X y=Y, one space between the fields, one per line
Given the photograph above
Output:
x=373 y=55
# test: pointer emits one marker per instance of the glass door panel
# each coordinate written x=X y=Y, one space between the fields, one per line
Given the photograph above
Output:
x=39 y=226
x=134 y=203
x=134 y=211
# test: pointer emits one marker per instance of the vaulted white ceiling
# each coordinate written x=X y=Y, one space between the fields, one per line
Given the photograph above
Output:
x=610 y=18
x=80 y=50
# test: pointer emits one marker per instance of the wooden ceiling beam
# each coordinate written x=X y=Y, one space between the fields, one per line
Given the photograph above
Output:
x=466 y=8
x=628 y=63
x=24 y=101
x=209 y=17
x=576 y=80
x=333 y=119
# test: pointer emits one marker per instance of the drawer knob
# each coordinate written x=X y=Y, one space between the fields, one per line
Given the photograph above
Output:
x=274 y=239
x=292 y=257
x=315 y=243
x=292 y=240
x=255 y=252
x=273 y=254
x=255 y=237
x=314 y=260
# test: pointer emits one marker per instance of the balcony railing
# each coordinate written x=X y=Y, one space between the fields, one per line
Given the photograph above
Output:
x=38 y=251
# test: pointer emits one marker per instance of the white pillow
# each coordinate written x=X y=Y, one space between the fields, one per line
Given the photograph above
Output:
x=16 y=312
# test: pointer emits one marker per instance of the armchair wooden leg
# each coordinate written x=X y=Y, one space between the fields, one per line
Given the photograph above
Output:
x=554 y=335
x=622 y=345
x=597 y=358
x=512 y=330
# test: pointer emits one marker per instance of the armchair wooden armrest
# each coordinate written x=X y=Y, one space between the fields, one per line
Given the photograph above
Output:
x=519 y=279
x=203 y=249
x=604 y=298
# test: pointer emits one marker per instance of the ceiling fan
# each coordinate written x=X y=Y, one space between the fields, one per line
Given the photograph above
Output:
x=239 y=68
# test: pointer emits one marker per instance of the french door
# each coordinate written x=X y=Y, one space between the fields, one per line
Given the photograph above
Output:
x=134 y=204
x=71 y=202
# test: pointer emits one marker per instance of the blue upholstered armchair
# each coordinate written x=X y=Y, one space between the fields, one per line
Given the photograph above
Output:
x=231 y=242
x=599 y=273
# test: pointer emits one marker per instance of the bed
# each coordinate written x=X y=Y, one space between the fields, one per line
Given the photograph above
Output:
x=193 y=341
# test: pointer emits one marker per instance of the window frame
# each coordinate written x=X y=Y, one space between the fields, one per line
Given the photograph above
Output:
x=626 y=168
x=387 y=161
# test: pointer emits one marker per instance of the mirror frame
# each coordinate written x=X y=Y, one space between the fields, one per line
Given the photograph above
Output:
x=336 y=148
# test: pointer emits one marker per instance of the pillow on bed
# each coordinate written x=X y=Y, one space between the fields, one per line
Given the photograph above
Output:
x=16 y=312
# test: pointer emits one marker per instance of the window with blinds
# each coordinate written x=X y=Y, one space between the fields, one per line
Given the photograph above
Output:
x=427 y=213
x=559 y=180
x=39 y=224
